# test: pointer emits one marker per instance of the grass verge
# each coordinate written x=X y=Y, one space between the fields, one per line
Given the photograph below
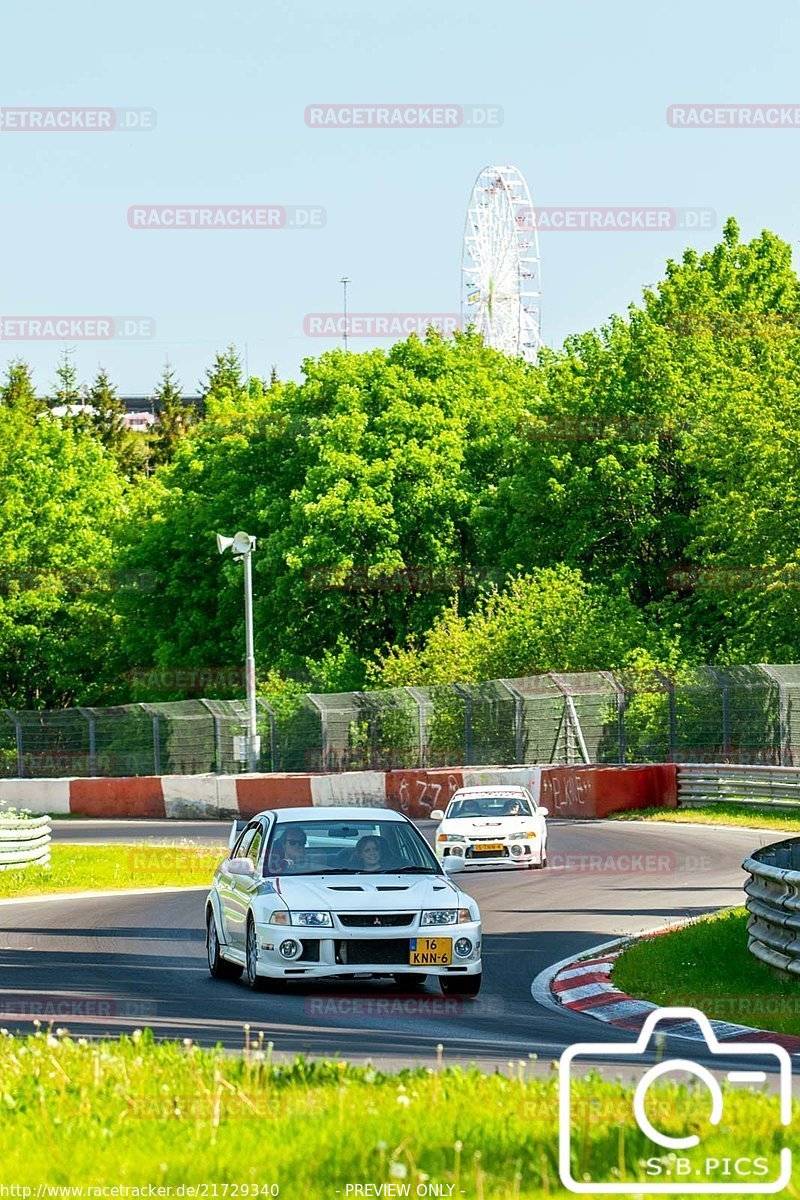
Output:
x=134 y=1113
x=98 y=868
x=707 y=965
x=718 y=814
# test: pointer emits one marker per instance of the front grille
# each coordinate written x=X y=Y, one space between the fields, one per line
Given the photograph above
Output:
x=386 y=951
x=374 y=920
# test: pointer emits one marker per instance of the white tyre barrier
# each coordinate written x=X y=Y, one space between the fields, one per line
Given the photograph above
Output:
x=24 y=841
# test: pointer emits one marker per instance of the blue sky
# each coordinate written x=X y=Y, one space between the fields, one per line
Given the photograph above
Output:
x=584 y=89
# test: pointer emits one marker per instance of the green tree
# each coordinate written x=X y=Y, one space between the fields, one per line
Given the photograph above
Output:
x=17 y=390
x=67 y=388
x=108 y=416
x=551 y=620
x=60 y=499
x=175 y=417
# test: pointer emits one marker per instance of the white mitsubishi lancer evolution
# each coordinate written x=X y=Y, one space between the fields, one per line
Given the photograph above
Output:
x=311 y=893
x=492 y=826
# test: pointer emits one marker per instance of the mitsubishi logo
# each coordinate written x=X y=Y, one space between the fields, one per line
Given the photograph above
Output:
x=377 y=921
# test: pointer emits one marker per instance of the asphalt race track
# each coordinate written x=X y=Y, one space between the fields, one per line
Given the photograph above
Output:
x=117 y=963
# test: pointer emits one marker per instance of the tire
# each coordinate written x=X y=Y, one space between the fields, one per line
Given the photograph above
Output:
x=255 y=982
x=460 y=985
x=412 y=983
x=218 y=966
x=540 y=866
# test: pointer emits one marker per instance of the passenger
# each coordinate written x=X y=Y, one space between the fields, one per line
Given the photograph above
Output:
x=368 y=854
x=513 y=808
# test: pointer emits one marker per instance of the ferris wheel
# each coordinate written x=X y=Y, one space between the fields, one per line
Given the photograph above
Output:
x=500 y=269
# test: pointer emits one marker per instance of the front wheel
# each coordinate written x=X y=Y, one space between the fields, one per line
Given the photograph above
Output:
x=460 y=985
x=254 y=980
x=219 y=967
x=539 y=866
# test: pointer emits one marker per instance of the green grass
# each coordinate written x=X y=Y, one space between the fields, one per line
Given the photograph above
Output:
x=95 y=868
x=707 y=965
x=718 y=814
x=135 y=1112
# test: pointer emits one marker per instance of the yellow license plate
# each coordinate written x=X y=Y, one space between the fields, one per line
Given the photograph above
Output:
x=482 y=846
x=430 y=952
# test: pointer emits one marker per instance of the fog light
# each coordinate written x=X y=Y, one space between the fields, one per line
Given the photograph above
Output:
x=290 y=948
x=516 y=850
x=463 y=947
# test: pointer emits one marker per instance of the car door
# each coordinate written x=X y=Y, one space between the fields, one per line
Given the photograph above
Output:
x=243 y=886
x=227 y=884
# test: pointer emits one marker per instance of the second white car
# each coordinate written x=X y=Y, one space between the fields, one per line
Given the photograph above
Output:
x=492 y=826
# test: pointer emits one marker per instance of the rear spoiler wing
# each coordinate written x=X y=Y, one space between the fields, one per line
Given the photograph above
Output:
x=237 y=829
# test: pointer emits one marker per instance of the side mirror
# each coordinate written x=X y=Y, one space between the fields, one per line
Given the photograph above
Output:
x=241 y=866
x=453 y=863
x=437 y=814
x=542 y=811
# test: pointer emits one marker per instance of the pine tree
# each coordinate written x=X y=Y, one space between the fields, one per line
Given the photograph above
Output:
x=174 y=416
x=273 y=375
x=68 y=389
x=108 y=417
x=225 y=380
x=17 y=390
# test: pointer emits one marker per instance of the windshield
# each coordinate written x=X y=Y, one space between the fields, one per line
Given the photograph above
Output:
x=317 y=847
x=489 y=806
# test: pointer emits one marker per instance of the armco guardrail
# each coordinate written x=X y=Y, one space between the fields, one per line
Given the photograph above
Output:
x=773 y=902
x=707 y=784
x=24 y=842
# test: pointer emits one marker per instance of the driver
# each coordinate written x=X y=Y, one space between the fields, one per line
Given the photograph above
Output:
x=290 y=852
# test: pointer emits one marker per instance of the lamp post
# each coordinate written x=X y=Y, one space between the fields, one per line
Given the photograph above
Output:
x=243 y=545
x=344 y=282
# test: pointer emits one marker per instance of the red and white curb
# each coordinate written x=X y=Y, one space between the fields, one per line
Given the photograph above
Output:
x=583 y=986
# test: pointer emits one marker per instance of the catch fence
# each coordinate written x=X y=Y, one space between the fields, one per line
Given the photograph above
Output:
x=746 y=714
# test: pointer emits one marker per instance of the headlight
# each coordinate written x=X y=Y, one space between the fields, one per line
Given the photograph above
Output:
x=315 y=919
x=450 y=837
x=311 y=918
x=445 y=916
